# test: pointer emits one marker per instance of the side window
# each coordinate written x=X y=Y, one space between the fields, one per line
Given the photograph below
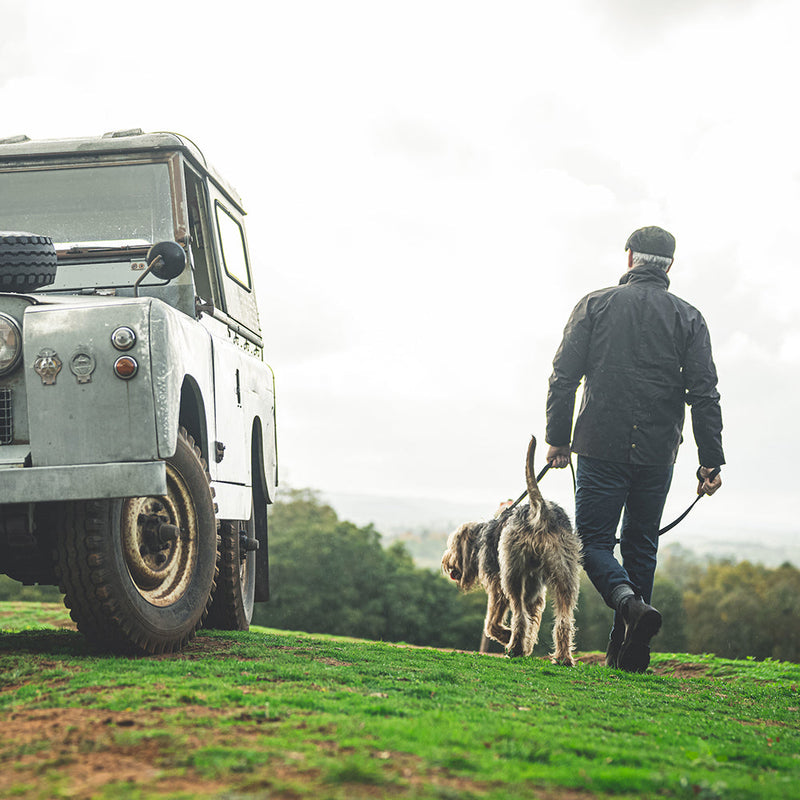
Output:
x=234 y=255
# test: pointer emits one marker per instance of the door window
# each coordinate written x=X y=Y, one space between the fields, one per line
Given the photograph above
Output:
x=234 y=255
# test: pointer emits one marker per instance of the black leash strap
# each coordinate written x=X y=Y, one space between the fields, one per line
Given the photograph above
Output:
x=540 y=475
x=538 y=478
x=713 y=474
x=679 y=519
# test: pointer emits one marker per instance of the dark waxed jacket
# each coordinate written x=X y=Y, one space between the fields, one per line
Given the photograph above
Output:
x=644 y=354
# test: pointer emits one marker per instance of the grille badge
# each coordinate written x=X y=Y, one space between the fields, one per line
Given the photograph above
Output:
x=82 y=364
x=47 y=366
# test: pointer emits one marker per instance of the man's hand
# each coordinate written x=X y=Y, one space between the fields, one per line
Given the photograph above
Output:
x=558 y=457
x=707 y=485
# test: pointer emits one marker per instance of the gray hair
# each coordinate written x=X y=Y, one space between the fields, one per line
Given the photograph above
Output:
x=648 y=260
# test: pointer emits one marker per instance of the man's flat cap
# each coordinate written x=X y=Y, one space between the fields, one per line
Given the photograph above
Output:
x=652 y=240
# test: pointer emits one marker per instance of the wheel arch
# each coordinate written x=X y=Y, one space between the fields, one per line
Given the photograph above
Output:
x=192 y=415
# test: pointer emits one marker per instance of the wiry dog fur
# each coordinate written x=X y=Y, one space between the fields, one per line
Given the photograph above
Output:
x=515 y=557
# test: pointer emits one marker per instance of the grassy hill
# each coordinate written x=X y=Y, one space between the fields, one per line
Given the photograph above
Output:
x=272 y=714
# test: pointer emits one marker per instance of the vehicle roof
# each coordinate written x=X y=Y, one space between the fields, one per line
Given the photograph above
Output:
x=17 y=148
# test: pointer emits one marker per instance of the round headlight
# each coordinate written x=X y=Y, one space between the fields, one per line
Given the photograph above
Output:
x=10 y=343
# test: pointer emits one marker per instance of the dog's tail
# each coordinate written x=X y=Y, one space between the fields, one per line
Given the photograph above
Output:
x=534 y=495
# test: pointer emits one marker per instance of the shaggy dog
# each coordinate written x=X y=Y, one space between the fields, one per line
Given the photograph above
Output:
x=515 y=557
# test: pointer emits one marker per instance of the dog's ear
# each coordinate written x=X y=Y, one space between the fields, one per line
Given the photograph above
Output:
x=469 y=561
x=452 y=555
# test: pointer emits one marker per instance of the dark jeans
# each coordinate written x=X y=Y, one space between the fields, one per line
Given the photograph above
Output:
x=604 y=489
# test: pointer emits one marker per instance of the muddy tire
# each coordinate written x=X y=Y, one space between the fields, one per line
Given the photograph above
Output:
x=138 y=573
x=232 y=606
x=27 y=262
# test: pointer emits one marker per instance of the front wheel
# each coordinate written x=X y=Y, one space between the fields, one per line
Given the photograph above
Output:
x=138 y=573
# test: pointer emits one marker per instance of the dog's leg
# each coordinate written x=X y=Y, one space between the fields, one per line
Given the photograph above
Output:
x=496 y=609
x=564 y=601
x=514 y=587
x=535 y=607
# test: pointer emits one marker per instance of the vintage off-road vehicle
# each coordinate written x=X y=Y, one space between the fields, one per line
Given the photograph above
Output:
x=137 y=414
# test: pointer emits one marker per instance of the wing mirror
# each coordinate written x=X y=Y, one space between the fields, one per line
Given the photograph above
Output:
x=166 y=260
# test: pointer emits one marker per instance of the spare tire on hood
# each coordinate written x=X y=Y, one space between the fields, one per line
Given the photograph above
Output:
x=27 y=262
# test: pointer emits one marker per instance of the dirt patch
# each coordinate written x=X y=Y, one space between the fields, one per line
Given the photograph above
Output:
x=332 y=662
x=671 y=668
x=200 y=647
x=85 y=749
x=72 y=745
x=407 y=767
x=595 y=659
x=37 y=680
x=758 y=723
x=680 y=669
x=80 y=751
x=13 y=688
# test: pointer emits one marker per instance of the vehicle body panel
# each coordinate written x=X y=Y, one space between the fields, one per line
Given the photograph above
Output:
x=103 y=419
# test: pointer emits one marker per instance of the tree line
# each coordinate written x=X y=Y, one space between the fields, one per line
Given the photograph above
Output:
x=330 y=576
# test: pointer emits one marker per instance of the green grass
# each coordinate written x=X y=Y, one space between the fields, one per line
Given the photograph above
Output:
x=289 y=715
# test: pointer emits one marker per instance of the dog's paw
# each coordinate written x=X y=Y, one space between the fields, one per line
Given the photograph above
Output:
x=564 y=661
x=501 y=635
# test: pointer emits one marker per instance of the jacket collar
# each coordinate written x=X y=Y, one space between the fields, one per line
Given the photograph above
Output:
x=646 y=274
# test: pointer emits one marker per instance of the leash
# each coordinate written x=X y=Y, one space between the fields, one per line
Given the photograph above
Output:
x=538 y=478
x=713 y=474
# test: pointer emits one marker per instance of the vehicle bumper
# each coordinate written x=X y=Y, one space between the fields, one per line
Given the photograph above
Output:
x=82 y=482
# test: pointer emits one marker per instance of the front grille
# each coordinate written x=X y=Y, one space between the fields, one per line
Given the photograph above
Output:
x=6 y=417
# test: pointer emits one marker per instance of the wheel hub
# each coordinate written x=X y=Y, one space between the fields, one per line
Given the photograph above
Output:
x=156 y=534
x=159 y=542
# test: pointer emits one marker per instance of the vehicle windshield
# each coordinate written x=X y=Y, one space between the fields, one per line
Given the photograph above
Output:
x=89 y=206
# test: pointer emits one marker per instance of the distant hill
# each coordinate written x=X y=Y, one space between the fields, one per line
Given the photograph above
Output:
x=422 y=524
x=394 y=515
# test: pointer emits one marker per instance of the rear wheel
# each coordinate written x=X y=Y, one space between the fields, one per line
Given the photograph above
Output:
x=232 y=607
x=138 y=573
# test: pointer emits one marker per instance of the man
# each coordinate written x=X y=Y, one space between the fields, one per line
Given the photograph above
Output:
x=644 y=354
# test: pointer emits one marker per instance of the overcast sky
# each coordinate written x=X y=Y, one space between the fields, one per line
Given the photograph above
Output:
x=431 y=188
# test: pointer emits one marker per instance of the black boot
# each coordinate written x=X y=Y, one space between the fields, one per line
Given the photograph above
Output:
x=642 y=623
